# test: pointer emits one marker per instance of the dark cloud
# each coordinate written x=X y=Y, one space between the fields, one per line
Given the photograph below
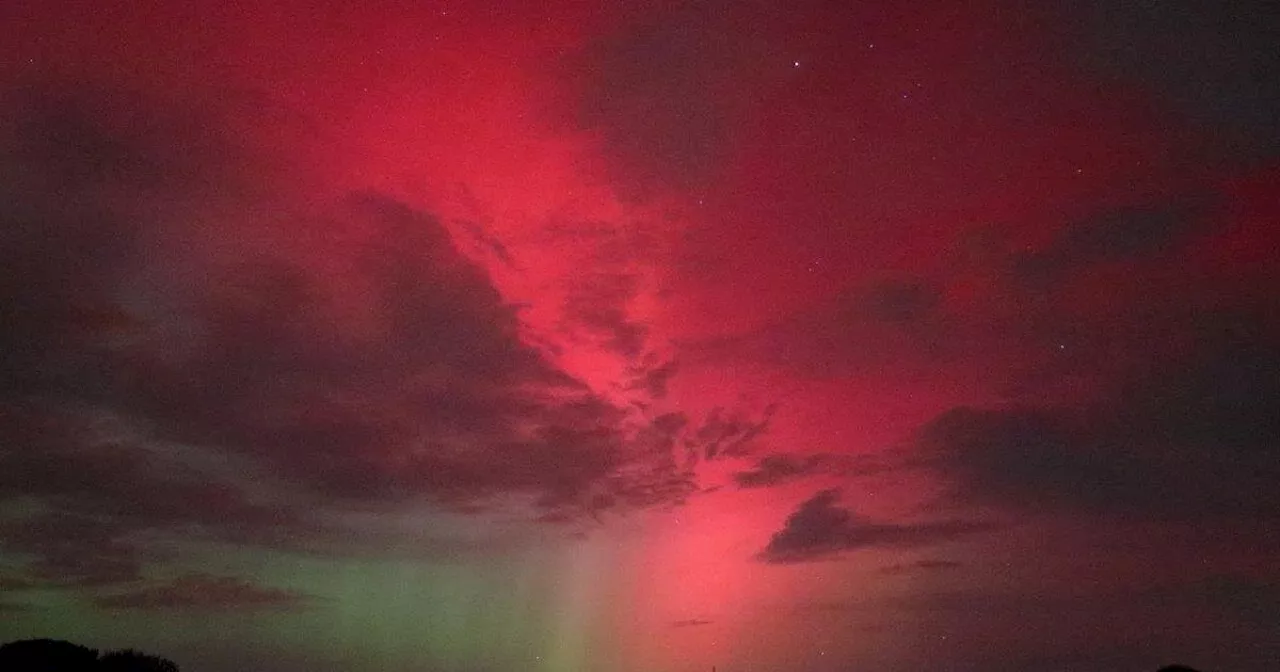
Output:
x=104 y=488
x=93 y=467
x=900 y=322
x=268 y=368
x=653 y=376
x=1019 y=454
x=1193 y=436
x=1021 y=309
x=900 y=300
x=599 y=306
x=922 y=566
x=728 y=433
x=74 y=550
x=657 y=90
x=780 y=468
x=691 y=623
x=1121 y=234
x=773 y=470
x=490 y=243
x=820 y=530
x=203 y=592
x=1213 y=62
x=179 y=366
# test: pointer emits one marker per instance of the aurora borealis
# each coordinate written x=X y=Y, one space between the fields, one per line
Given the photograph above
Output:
x=642 y=337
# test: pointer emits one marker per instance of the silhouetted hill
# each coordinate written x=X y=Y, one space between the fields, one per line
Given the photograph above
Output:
x=52 y=655
x=47 y=655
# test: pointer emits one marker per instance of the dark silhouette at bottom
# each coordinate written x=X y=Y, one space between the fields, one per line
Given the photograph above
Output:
x=52 y=655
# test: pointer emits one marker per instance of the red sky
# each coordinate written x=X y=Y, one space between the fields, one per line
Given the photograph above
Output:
x=647 y=336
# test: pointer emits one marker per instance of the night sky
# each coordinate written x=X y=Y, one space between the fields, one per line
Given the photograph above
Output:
x=642 y=337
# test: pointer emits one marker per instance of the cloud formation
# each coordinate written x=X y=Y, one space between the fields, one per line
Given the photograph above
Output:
x=1210 y=61
x=922 y=566
x=202 y=592
x=180 y=363
x=820 y=530
x=1194 y=437
x=1120 y=234
x=656 y=90
x=772 y=470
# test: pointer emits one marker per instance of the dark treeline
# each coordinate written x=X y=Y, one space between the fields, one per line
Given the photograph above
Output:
x=51 y=655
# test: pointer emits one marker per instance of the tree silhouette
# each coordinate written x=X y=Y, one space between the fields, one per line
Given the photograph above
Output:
x=52 y=655
x=130 y=660
x=47 y=655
